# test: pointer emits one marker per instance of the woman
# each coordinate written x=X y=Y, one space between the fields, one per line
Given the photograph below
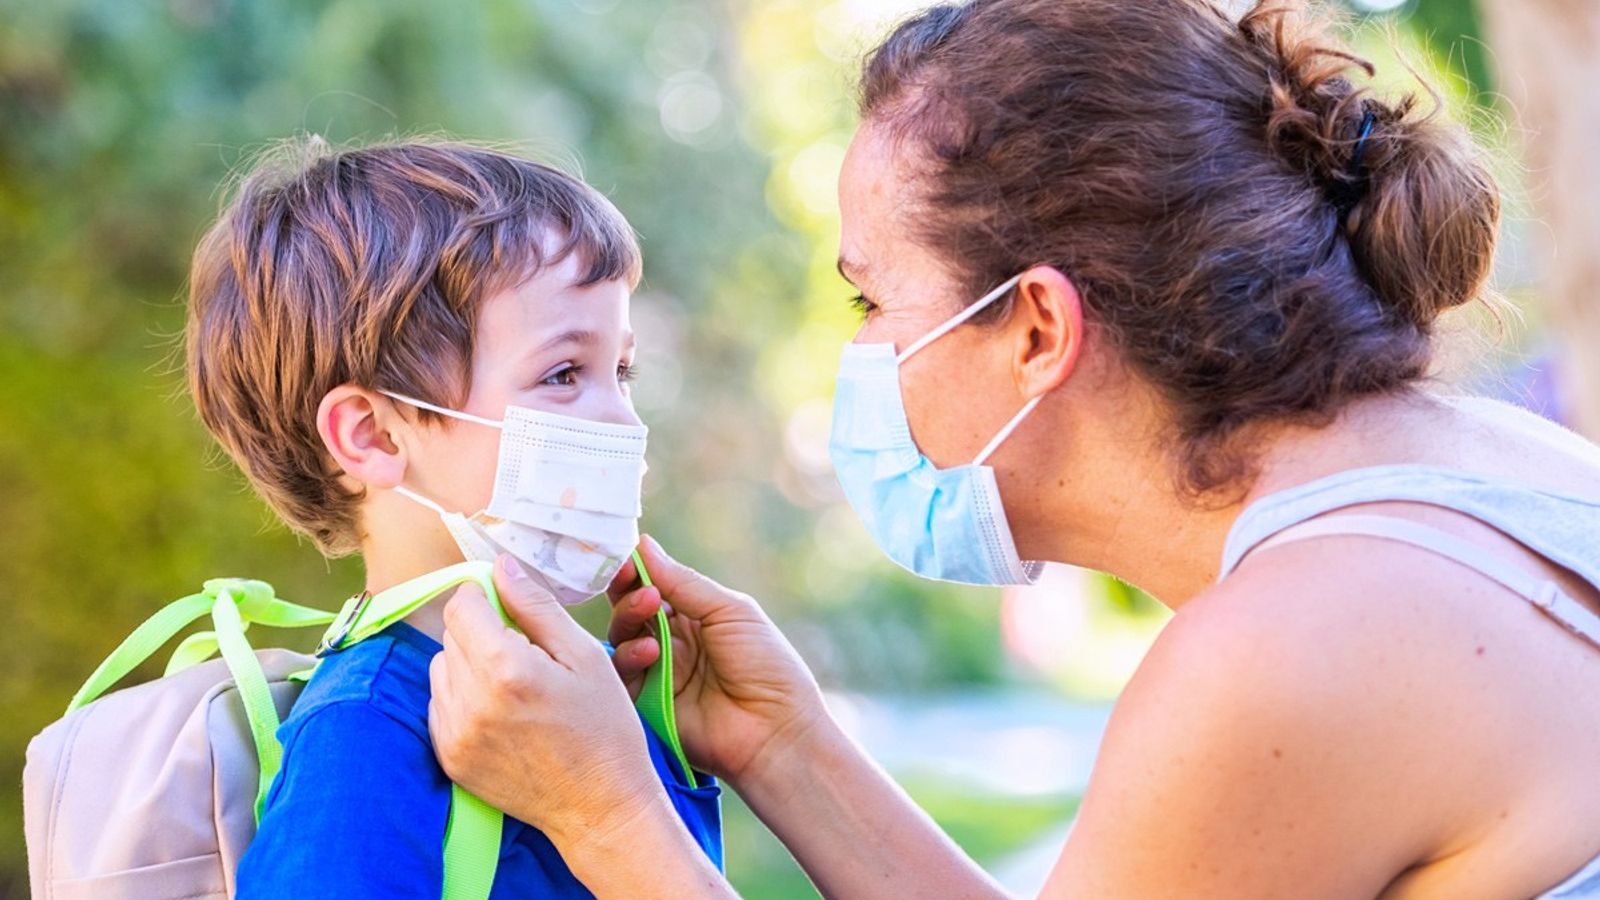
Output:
x=1210 y=268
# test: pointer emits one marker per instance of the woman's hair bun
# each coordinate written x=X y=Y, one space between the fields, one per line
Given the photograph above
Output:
x=1419 y=206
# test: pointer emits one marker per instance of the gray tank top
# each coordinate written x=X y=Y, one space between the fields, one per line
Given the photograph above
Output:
x=1563 y=528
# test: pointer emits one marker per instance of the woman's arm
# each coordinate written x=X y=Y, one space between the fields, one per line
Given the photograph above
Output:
x=751 y=713
x=851 y=827
x=644 y=852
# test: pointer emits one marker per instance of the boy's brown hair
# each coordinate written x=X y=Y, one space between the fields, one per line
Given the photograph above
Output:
x=367 y=266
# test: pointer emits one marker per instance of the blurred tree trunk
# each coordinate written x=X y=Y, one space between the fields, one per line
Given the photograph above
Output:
x=1547 y=59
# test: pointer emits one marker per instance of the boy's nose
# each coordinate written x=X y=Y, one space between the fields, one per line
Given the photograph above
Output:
x=617 y=409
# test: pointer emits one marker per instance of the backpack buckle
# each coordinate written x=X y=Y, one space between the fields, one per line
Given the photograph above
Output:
x=346 y=623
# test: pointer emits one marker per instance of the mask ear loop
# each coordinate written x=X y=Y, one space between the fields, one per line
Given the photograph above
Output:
x=406 y=492
x=401 y=489
x=454 y=414
x=959 y=318
x=955 y=322
x=474 y=527
x=997 y=440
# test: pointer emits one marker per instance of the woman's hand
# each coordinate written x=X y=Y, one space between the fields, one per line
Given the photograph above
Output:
x=750 y=713
x=536 y=724
x=742 y=690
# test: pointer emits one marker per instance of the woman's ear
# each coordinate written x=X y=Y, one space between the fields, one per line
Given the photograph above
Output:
x=1048 y=314
x=355 y=425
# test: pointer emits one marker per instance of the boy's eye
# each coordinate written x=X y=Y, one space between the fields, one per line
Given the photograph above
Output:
x=566 y=377
x=863 y=306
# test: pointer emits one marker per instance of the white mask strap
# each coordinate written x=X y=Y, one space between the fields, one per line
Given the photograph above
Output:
x=958 y=318
x=1005 y=432
x=465 y=417
x=404 y=491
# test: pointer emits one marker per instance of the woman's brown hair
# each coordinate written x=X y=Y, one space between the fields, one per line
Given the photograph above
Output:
x=1204 y=182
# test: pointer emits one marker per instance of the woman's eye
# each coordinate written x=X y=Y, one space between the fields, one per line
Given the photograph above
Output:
x=563 y=378
x=627 y=373
x=863 y=306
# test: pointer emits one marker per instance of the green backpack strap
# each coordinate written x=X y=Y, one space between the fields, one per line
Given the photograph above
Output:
x=472 y=832
x=471 y=846
x=233 y=604
x=256 y=603
x=365 y=615
x=656 y=701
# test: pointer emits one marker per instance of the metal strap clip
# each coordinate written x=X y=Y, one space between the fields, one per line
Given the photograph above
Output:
x=345 y=624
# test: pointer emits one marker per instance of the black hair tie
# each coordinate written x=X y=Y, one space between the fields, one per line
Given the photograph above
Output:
x=1361 y=144
x=1346 y=192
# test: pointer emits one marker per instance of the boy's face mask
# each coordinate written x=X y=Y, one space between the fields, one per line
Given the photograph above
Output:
x=565 y=501
x=947 y=524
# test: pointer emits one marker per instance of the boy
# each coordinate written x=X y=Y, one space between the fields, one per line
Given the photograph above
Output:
x=348 y=308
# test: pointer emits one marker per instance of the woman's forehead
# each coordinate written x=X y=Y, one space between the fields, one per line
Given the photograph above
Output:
x=876 y=242
x=873 y=181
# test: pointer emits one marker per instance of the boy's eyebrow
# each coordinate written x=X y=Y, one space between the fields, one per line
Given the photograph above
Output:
x=574 y=336
x=581 y=336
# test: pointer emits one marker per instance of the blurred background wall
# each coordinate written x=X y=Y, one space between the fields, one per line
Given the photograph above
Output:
x=718 y=127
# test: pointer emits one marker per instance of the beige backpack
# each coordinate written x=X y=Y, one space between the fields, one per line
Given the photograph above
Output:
x=153 y=792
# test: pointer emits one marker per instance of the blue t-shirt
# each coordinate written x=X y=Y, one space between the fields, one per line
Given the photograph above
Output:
x=359 y=808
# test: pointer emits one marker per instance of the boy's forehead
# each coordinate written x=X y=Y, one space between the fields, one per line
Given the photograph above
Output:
x=550 y=305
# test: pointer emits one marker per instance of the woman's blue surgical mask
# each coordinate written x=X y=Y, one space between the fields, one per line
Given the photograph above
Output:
x=946 y=524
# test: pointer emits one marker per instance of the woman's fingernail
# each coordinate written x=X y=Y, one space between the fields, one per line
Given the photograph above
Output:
x=510 y=568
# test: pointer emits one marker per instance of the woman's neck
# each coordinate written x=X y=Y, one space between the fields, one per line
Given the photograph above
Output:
x=1139 y=528
x=1124 y=513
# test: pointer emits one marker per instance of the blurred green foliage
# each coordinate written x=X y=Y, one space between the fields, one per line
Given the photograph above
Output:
x=1451 y=28
x=120 y=121
x=987 y=827
x=716 y=127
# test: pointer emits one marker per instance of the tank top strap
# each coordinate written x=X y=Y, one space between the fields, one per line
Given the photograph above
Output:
x=1563 y=528
x=1541 y=592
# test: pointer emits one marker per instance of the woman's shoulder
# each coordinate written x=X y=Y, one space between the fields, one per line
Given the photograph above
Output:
x=1302 y=715
x=1364 y=696
x=1499 y=440
x=1303 y=627
x=1252 y=756
x=1346 y=616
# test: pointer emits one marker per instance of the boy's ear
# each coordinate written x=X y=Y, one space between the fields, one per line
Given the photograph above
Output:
x=355 y=427
x=1049 y=312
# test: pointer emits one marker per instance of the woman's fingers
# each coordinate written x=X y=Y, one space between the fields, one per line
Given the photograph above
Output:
x=540 y=616
x=626 y=579
x=632 y=658
x=631 y=613
x=471 y=623
x=687 y=591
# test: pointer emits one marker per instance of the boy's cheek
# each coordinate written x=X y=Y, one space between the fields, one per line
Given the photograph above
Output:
x=458 y=468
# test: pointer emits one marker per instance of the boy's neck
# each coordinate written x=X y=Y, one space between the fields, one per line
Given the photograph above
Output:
x=429 y=617
x=389 y=565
